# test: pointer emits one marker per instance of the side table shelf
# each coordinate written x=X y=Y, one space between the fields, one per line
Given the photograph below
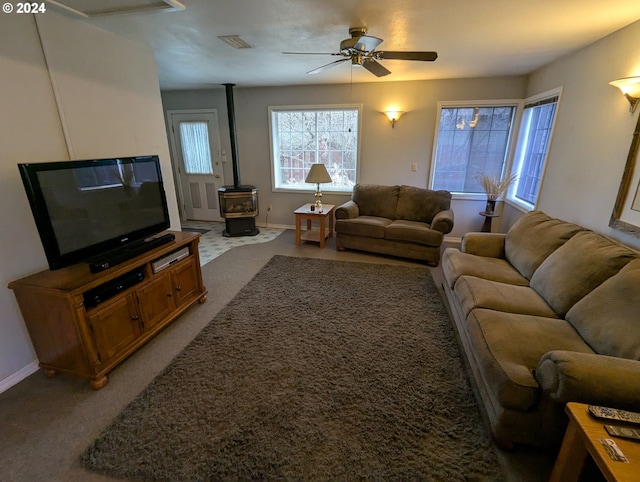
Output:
x=73 y=332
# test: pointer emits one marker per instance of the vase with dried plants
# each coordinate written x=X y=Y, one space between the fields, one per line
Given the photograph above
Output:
x=494 y=187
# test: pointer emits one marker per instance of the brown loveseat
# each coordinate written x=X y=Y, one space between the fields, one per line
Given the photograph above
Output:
x=403 y=221
x=547 y=313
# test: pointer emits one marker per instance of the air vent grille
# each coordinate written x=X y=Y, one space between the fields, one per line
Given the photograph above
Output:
x=236 y=41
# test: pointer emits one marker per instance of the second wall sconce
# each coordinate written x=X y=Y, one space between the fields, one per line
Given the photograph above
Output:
x=630 y=87
x=393 y=116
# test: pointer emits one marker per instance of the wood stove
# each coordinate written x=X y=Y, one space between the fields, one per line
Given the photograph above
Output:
x=238 y=203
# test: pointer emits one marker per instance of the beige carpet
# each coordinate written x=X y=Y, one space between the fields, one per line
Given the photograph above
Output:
x=317 y=369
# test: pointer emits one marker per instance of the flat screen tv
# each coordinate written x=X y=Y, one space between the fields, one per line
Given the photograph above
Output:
x=85 y=209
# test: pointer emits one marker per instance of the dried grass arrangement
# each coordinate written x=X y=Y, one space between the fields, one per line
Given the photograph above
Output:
x=495 y=186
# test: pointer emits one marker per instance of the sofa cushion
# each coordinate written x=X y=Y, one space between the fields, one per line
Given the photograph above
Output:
x=417 y=204
x=456 y=264
x=610 y=313
x=577 y=267
x=413 y=232
x=508 y=348
x=475 y=292
x=533 y=238
x=369 y=226
x=375 y=200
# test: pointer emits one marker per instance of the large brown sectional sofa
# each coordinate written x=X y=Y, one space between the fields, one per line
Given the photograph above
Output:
x=404 y=221
x=546 y=314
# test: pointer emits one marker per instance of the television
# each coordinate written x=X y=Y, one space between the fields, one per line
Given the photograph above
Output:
x=88 y=209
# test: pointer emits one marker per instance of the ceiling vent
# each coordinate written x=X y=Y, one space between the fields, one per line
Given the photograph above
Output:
x=100 y=8
x=236 y=41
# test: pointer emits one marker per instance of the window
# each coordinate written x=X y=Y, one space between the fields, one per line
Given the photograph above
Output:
x=196 y=153
x=532 y=148
x=470 y=139
x=308 y=135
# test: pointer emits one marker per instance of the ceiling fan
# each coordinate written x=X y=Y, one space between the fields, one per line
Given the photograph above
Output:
x=361 y=50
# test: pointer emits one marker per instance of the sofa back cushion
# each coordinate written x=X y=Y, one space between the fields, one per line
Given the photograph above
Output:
x=533 y=238
x=577 y=267
x=608 y=318
x=417 y=204
x=374 y=200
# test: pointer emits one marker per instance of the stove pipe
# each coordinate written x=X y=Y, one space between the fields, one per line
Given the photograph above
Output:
x=232 y=132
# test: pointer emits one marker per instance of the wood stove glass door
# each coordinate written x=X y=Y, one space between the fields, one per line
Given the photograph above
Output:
x=196 y=148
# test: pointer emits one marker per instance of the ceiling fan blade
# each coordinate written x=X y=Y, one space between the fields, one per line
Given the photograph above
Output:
x=311 y=53
x=427 y=56
x=327 y=66
x=375 y=68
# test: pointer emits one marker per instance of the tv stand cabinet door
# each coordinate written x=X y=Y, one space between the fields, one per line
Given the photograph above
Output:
x=115 y=327
x=186 y=281
x=156 y=301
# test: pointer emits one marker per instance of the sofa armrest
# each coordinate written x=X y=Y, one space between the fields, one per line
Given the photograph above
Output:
x=490 y=245
x=348 y=210
x=443 y=221
x=590 y=378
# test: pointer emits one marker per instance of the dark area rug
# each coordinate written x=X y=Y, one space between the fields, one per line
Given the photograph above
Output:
x=317 y=369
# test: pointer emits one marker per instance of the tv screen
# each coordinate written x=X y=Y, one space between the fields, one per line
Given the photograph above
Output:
x=83 y=209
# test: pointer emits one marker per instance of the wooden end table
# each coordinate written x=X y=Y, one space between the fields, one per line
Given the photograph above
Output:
x=488 y=217
x=315 y=234
x=582 y=437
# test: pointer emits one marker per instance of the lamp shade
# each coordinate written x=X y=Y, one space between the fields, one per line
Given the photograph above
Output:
x=318 y=174
x=628 y=85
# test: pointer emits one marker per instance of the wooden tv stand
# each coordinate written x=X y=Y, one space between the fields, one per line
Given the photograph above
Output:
x=72 y=336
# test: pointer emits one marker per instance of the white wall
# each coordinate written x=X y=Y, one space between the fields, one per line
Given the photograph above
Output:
x=386 y=154
x=593 y=131
x=87 y=94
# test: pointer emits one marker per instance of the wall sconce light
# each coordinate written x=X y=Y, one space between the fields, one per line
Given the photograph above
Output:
x=393 y=116
x=630 y=87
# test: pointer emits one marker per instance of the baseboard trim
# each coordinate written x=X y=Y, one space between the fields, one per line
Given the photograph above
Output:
x=17 y=377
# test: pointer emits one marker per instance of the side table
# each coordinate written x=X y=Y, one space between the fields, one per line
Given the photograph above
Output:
x=488 y=217
x=315 y=234
x=581 y=438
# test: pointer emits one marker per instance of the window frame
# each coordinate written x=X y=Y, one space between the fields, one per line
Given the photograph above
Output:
x=312 y=107
x=516 y=158
x=506 y=167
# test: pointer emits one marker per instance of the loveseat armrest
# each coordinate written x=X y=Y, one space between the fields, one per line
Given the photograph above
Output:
x=590 y=378
x=443 y=221
x=490 y=245
x=348 y=210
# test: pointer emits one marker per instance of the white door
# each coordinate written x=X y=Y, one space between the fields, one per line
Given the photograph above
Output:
x=197 y=155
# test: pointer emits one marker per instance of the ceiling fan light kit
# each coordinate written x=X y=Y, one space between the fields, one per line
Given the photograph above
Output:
x=360 y=49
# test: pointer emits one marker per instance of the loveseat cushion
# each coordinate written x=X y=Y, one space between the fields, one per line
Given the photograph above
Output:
x=608 y=317
x=413 y=232
x=369 y=226
x=508 y=348
x=417 y=204
x=375 y=200
x=475 y=292
x=577 y=267
x=533 y=238
x=456 y=263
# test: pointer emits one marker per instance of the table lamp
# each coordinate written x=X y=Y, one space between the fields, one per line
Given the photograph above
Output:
x=318 y=174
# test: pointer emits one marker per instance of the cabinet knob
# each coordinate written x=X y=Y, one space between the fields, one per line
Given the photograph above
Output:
x=134 y=317
x=170 y=294
x=178 y=288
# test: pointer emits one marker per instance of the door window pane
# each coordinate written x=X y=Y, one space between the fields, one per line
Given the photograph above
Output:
x=196 y=152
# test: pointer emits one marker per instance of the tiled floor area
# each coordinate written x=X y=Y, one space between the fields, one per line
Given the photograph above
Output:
x=213 y=243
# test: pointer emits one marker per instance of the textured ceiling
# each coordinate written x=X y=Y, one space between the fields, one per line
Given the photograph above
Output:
x=473 y=38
